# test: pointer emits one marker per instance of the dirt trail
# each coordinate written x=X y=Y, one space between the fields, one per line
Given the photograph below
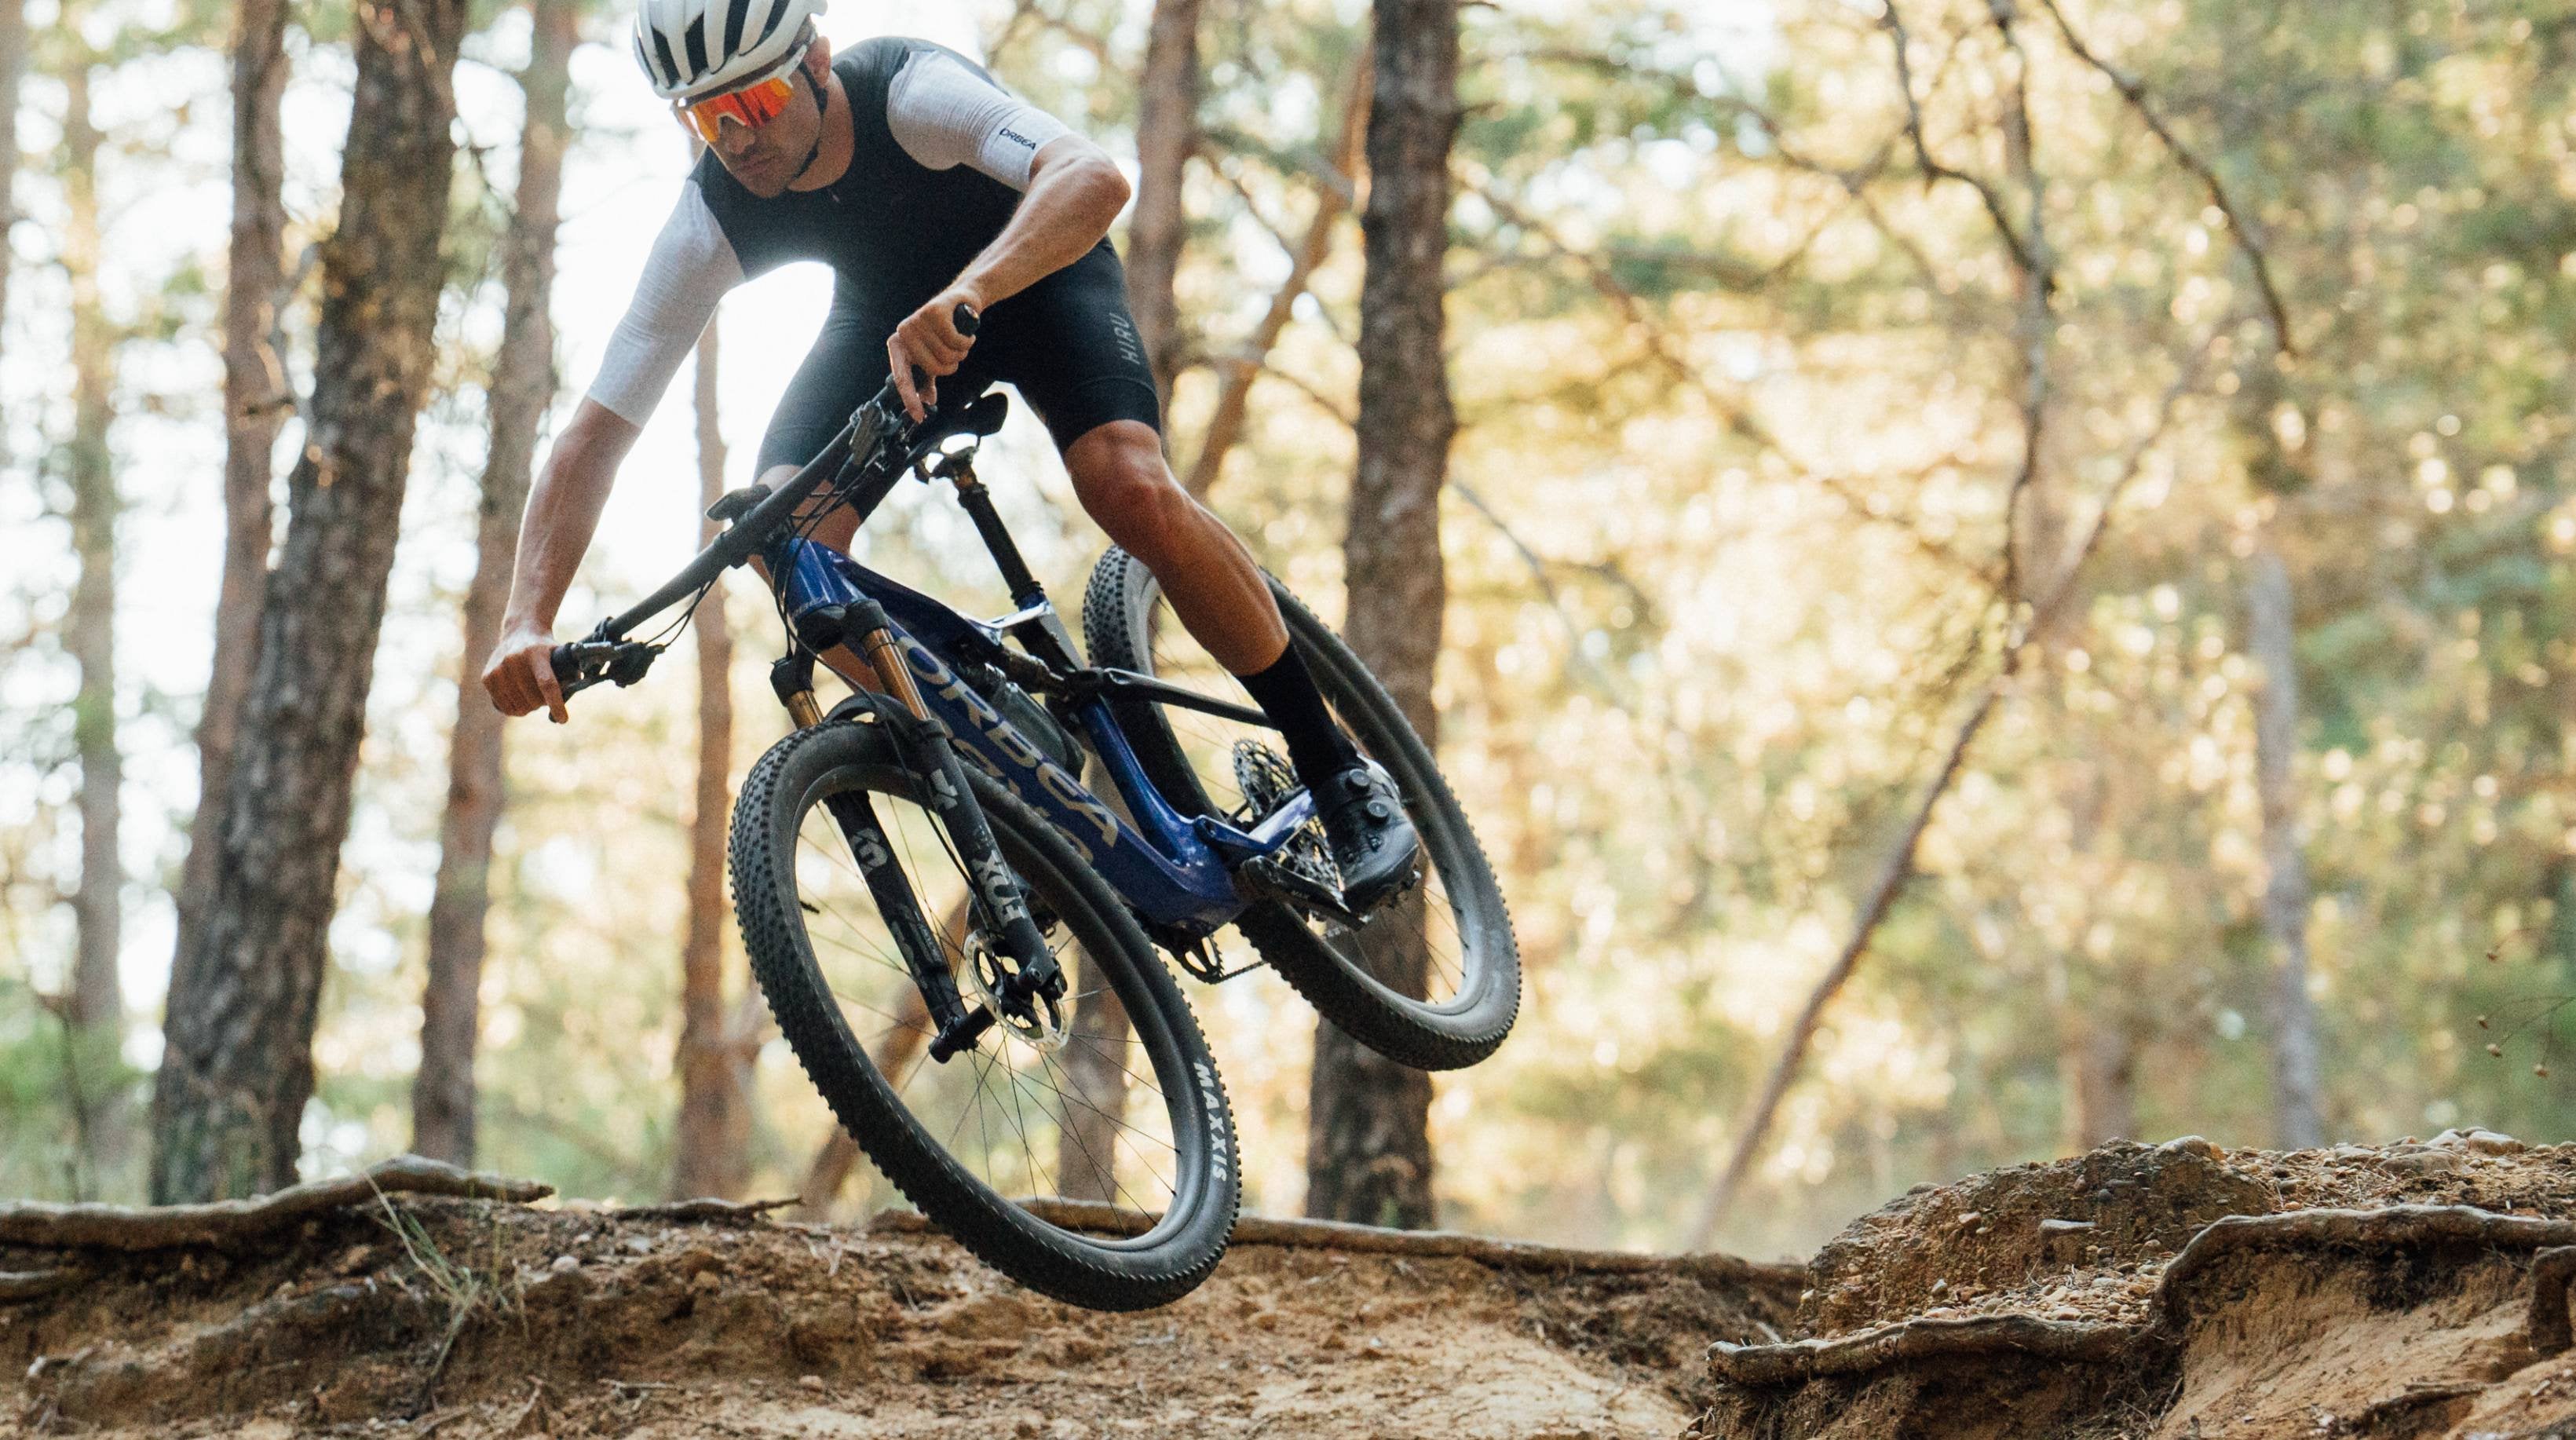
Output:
x=2183 y=1290
x=2173 y=1292
x=498 y=1319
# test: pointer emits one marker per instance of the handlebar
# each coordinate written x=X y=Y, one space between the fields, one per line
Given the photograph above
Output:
x=606 y=653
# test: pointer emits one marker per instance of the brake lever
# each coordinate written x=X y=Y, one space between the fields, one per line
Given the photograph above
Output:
x=588 y=662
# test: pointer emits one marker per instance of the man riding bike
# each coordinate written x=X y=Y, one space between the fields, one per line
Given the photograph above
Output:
x=926 y=186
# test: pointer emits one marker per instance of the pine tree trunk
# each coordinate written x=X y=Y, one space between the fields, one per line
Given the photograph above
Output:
x=2106 y=1081
x=245 y=995
x=1368 y=1145
x=97 y=1005
x=712 y=1152
x=1167 y=131
x=2298 y=1120
x=257 y=399
x=523 y=386
x=1095 y=1104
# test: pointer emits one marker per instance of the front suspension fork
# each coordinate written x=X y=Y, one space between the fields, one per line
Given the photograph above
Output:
x=924 y=745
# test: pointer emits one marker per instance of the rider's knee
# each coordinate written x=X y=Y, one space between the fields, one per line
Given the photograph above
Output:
x=1128 y=489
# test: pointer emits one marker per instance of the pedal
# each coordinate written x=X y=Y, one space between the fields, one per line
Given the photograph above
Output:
x=1266 y=879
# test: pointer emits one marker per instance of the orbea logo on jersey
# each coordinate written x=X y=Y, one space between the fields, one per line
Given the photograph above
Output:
x=1010 y=134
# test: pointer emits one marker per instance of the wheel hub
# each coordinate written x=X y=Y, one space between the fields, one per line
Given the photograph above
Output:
x=1038 y=1019
x=1267 y=780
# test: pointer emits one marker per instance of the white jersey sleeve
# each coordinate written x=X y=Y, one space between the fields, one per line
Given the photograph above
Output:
x=945 y=115
x=690 y=269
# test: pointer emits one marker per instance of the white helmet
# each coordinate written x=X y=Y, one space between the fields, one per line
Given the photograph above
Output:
x=693 y=47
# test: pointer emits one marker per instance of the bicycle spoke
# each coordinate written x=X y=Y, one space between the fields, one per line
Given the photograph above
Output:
x=1122 y=1127
x=1207 y=744
x=1009 y=1111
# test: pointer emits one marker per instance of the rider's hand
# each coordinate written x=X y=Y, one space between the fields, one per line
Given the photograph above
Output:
x=929 y=338
x=521 y=674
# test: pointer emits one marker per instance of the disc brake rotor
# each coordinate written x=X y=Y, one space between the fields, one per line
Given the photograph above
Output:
x=1038 y=1020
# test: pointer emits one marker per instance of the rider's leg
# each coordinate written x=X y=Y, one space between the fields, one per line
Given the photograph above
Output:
x=833 y=378
x=1221 y=599
x=836 y=530
x=1218 y=593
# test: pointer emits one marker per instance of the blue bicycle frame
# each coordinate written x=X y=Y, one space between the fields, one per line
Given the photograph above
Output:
x=1178 y=872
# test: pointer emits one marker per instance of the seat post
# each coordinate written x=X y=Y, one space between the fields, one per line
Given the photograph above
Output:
x=978 y=504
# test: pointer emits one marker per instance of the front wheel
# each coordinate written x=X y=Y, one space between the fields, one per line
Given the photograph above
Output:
x=1432 y=980
x=1049 y=1105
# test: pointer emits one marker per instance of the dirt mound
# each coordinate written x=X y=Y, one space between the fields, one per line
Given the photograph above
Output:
x=2180 y=1292
x=2184 y=1290
x=484 y=1318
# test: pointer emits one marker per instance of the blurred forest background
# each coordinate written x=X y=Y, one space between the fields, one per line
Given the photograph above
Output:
x=2010 y=571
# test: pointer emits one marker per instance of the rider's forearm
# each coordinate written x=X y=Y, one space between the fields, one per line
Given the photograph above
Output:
x=1069 y=206
x=563 y=512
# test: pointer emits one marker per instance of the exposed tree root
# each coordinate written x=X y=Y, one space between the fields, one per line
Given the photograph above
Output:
x=2328 y=1229
x=2096 y=1342
x=1427 y=1244
x=120 y=1227
x=32 y=1284
x=1798 y=1361
x=708 y=1211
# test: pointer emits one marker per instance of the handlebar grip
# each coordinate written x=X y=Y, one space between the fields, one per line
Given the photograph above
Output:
x=965 y=319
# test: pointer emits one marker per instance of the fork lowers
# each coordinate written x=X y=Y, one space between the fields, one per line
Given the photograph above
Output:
x=924 y=744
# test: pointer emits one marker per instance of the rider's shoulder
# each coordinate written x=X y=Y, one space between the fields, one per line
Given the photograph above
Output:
x=881 y=55
x=896 y=52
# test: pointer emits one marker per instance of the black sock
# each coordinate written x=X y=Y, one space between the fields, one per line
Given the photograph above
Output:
x=1287 y=694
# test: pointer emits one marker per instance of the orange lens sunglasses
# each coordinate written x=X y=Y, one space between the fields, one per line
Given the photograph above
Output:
x=754 y=105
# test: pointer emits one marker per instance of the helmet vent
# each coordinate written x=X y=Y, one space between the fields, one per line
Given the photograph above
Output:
x=662 y=48
x=777 y=12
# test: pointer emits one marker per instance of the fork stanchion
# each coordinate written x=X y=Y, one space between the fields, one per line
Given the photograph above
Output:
x=1037 y=980
x=791 y=679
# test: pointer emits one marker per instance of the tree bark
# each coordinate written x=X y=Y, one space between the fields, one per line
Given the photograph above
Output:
x=1368 y=1143
x=244 y=997
x=1095 y=1103
x=257 y=398
x=1167 y=133
x=712 y=1153
x=2298 y=1119
x=96 y=1007
x=2106 y=1080
x=523 y=386
x=1238 y=370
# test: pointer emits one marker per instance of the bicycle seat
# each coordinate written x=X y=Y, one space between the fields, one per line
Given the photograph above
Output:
x=981 y=419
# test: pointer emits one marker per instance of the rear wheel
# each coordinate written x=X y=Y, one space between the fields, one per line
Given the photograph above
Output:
x=1042 y=1107
x=1431 y=980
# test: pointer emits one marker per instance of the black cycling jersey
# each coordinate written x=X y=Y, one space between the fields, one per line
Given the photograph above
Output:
x=896 y=233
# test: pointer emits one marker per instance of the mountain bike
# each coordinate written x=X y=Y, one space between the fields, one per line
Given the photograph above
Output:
x=957 y=933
